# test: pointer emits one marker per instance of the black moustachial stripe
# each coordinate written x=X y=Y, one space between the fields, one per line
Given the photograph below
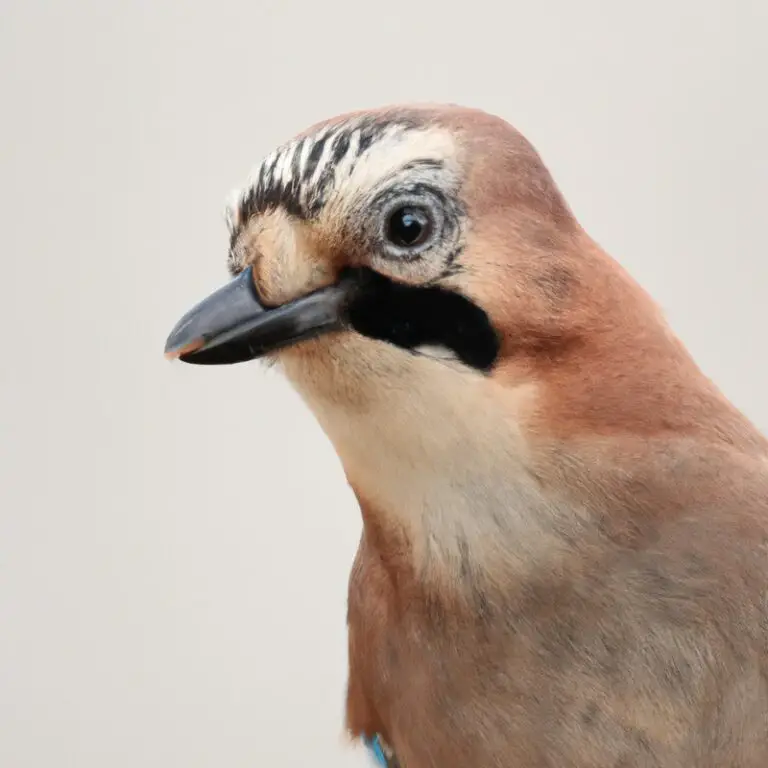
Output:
x=411 y=316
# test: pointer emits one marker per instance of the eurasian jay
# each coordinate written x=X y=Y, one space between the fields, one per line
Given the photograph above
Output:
x=564 y=558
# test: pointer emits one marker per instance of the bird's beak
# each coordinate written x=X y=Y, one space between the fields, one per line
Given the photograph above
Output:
x=233 y=326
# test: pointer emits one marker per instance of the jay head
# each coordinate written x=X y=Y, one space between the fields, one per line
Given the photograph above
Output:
x=564 y=556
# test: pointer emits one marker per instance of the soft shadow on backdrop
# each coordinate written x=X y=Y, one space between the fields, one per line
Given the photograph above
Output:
x=175 y=541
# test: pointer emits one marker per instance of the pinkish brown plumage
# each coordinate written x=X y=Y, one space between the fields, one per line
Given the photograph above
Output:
x=564 y=558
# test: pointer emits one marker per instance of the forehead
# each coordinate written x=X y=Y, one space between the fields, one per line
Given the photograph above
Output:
x=346 y=157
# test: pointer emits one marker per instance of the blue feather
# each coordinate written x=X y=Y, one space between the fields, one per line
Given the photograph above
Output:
x=375 y=748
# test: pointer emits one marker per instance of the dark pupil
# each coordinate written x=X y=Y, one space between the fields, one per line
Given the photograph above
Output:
x=408 y=227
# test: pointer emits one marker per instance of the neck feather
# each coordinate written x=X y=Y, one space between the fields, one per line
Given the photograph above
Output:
x=437 y=452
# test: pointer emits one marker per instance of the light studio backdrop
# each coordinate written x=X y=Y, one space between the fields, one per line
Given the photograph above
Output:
x=175 y=541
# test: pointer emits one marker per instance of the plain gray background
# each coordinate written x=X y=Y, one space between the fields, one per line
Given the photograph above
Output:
x=175 y=541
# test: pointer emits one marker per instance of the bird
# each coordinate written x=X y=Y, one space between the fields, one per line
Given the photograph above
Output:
x=564 y=548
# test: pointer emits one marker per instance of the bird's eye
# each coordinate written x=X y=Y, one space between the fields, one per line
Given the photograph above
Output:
x=409 y=227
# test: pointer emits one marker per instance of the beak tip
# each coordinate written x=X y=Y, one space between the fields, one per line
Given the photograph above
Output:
x=175 y=351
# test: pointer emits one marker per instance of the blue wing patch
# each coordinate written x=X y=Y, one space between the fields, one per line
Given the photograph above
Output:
x=374 y=746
